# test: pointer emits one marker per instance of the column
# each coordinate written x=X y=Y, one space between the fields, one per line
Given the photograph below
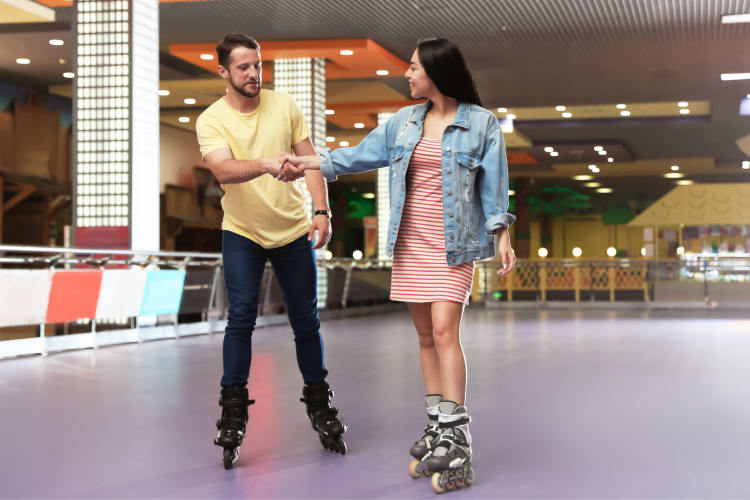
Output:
x=116 y=125
x=305 y=80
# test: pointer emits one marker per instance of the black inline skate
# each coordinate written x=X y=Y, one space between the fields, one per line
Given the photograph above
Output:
x=450 y=460
x=234 y=403
x=323 y=417
x=425 y=444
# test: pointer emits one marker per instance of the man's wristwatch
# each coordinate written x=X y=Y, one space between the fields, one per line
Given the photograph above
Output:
x=327 y=213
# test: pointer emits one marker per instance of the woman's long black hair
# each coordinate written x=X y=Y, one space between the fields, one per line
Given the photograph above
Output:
x=446 y=67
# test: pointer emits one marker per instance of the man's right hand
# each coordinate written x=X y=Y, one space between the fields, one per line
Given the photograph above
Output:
x=279 y=167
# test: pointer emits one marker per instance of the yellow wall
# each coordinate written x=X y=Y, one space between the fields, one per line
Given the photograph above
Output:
x=535 y=237
x=592 y=235
x=558 y=238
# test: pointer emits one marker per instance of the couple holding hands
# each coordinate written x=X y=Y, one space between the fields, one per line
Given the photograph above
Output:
x=448 y=205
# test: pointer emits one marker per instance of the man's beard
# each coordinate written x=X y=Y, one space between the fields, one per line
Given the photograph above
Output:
x=241 y=88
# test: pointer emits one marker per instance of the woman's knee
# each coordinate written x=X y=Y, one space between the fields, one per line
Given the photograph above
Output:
x=444 y=334
x=425 y=337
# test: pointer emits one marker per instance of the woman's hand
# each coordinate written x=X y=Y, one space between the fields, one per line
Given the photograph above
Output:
x=309 y=162
x=505 y=252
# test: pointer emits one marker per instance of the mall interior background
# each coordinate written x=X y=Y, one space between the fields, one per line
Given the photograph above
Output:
x=626 y=123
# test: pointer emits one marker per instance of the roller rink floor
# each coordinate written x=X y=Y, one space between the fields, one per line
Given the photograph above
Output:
x=565 y=404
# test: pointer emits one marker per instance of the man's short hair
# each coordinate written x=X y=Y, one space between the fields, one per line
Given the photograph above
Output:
x=230 y=42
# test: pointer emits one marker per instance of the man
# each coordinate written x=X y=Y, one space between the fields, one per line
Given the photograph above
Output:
x=245 y=138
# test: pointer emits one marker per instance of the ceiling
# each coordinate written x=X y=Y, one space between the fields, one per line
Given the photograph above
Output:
x=527 y=56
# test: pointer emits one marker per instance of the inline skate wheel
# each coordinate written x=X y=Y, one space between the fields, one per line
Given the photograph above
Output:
x=230 y=457
x=414 y=469
x=469 y=476
x=438 y=486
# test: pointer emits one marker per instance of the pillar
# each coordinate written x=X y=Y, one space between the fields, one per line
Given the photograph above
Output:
x=116 y=124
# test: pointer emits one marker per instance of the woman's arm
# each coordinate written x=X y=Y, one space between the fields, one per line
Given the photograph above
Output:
x=373 y=152
x=493 y=180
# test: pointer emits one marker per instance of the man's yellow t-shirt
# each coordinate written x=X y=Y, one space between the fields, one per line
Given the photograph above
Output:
x=269 y=212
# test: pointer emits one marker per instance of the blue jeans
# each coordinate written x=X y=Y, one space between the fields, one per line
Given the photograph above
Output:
x=295 y=268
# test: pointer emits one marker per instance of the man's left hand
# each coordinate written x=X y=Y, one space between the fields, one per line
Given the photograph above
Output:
x=322 y=225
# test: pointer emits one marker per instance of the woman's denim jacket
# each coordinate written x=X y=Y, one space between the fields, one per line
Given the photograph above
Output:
x=475 y=175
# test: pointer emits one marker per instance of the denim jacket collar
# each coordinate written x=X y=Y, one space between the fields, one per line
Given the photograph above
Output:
x=461 y=120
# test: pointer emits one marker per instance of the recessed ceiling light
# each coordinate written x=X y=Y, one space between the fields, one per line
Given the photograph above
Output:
x=567 y=115
x=594 y=169
x=582 y=177
x=674 y=175
x=604 y=190
x=610 y=160
x=56 y=42
x=560 y=108
x=502 y=110
x=592 y=184
x=735 y=76
x=685 y=182
x=207 y=57
x=746 y=165
x=184 y=119
x=554 y=153
x=344 y=144
x=625 y=113
x=511 y=192
x=61 y=60
x=598 y=148
x=330 y=112
x=346 y=52
x=684 y=111
x=369 y=196
x=510 y=116
x=674 y=168
x=163 y=92
x=548 y=149
x=735 y=18
x=359 y=125
x=189 y=100
x=592 y=166
x=23 y=60
x=382 y=72
x=621 y=106
x=682 y=104
x=602 y=153
x=330 y=139
x=69 y=74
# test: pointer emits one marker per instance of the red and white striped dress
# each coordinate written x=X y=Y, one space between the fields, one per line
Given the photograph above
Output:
x=420 y=269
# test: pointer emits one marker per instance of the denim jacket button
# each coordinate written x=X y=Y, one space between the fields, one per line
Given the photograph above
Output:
x=450 y=236
x=450 y=214
x=448 y=170
x=448 y=149
x=450 y=192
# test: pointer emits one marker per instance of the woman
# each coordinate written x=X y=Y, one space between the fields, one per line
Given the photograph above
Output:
x=449 y=197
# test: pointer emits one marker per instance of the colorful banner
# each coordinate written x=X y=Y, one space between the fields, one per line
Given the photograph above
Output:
x=121 y=293
x=73 y=296
x=24 y=295
x=163 y=292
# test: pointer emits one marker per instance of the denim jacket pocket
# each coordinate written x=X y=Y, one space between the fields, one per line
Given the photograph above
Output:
x=468 y=165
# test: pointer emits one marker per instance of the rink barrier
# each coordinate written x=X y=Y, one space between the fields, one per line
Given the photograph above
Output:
x=138 y=296
x=135 y=296
x=709 y=279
